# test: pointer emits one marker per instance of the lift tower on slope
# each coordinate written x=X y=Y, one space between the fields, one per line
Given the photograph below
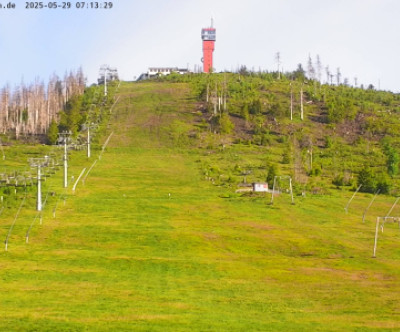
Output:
x=208 y=35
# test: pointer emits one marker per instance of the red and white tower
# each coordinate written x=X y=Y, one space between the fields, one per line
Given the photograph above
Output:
x=208 y=37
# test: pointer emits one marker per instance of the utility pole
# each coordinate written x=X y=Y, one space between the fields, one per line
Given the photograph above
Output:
x=224 y=94
x=391 y=209
x=278 y=61
x=384 y=220
x=89 y=126
x=369 y=205
x=355 y=193
x=2 y=150
x=105 y=81
x=310 y=152
x=301 y=103
x=39 y=163
x=88 y=141
x=291 y=101
x=103 y=76
x=39 y=189
x=65 y=158
x=65 y=136
x=290 y=187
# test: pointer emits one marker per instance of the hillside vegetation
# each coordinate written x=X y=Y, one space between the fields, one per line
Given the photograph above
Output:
x=333 y=135
x=157 y=239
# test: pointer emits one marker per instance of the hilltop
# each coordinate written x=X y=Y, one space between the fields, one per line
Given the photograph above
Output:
x=157 y=239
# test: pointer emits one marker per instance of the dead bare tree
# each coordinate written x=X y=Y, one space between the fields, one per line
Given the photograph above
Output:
x=29 y=110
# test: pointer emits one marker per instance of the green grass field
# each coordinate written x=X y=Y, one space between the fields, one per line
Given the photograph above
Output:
x=147 y=244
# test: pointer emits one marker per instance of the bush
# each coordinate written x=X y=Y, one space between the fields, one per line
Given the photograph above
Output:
x=226 y=125
x=328 y=142
x=338 y=181
x=316 y=171
x=52 y=133
x=282 y=139
x=272 y=172
x=383 y=185
x=286 y=157
x=262 y=139
x=393 y=158
x=366 y=179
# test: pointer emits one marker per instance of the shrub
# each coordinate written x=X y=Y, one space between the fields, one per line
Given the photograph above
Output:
x=272 y=172
x=52 y=133
x=366 y=179
x=328 y=142
x=286 y=157
x=383 y=185
x=338 y=180
x=226 y=125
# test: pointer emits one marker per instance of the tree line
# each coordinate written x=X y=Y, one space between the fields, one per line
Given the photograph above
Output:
x=30 y=109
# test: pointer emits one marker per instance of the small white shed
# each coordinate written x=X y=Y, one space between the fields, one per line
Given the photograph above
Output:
x=260 y=187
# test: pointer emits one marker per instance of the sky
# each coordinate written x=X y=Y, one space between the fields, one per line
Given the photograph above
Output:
x=361 y=37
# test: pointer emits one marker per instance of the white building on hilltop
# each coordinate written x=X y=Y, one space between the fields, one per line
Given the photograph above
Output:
x=153 y=71
x=162 y=71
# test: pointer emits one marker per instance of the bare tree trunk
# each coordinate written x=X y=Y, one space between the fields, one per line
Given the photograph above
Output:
x=31 y=109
